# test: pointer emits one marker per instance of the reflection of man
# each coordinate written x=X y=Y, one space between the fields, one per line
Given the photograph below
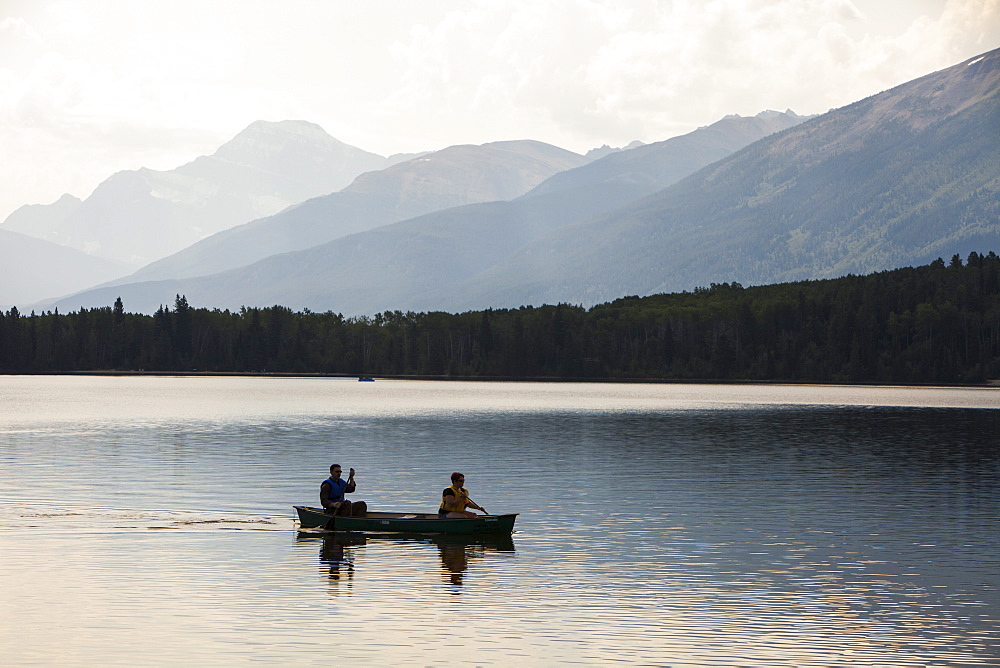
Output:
x=332 y=491
x=333 y=554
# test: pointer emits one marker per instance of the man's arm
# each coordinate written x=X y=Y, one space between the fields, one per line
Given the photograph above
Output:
x=350 y=483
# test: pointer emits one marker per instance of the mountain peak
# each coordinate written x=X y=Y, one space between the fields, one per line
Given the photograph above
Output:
x=764 y=115
x=284 y=128
x=262 y=138
x=145 y=214
x=603 y=150
x=771 y=113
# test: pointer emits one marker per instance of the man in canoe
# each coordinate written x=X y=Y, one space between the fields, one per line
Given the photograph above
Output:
x=455 y=499
x=332 y=491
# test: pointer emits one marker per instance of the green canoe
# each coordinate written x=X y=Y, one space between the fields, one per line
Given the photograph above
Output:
x=315 y=518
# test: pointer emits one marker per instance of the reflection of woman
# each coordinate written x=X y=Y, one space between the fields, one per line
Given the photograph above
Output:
x=455 y=499
x=455 y=560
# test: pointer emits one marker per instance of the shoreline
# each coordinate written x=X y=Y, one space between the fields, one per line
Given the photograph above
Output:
x=992 y=383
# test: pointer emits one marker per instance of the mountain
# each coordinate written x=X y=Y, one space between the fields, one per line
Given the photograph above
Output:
x=601 y=151
x=43 y=219
x=141 y=215
x=897 y=179
x=451 y=177
x=651 y=167
x=401 y=265
x=34 y=269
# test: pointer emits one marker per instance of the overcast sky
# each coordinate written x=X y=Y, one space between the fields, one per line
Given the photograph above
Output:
x=92 y=87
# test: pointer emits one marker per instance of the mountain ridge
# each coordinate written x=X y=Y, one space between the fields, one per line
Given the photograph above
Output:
x=453 y=176
x=800 y=174
x=35 y=268
x=892 y=180
x=140 y=215
x=479 y=231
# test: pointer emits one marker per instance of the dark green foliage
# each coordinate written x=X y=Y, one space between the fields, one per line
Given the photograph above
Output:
x=933 y=324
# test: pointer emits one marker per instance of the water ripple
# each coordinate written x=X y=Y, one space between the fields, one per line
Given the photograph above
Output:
x=686 y=526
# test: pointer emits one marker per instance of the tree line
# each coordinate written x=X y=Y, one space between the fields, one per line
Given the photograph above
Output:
x=938 y=323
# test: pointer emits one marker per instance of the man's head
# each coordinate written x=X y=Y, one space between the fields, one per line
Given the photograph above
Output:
x=457 y=478
x=335 y=471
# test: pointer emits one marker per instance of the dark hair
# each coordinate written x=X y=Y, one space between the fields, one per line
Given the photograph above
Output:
x=456 y=475
x=333 y=466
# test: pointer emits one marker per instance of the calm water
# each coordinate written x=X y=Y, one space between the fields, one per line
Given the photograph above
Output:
x=148 y=521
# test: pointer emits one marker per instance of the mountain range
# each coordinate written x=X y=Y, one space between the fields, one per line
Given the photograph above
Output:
x=138 y=216
x=448 y=178
x=28 y=268
x=430 y=250
x=898 y=178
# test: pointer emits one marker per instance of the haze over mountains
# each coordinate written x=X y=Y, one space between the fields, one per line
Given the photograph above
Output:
x=468 y=236
x=32 y=267
x=897 y=179
x=139 y=216
x=451 y=177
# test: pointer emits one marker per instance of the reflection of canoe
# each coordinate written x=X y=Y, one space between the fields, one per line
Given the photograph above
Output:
x=341 y=538
x=456 y=551
x=497 y=542
x=405 y=522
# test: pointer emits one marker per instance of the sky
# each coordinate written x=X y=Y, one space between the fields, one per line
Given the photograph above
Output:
x=92 y=87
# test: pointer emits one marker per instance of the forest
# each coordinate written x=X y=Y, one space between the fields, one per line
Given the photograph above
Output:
x=938 y=323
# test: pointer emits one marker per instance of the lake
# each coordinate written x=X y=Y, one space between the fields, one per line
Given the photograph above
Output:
x=148 y=521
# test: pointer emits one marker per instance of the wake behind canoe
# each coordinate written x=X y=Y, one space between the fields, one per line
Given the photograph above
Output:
x=315 y=518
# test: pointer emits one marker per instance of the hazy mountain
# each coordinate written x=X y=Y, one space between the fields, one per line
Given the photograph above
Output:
x=43 y=219
x=601 y=151
x=451 y=177
x=141 y=215
x=650 y=167
x=34 y=269
x=386 y=268
x=400 y=266
x=897 y=179
x=397 y=158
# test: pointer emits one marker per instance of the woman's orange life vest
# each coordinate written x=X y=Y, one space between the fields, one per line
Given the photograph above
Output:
x=457 y=503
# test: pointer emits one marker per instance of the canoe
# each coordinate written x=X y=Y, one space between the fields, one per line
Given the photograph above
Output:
x=315 y=518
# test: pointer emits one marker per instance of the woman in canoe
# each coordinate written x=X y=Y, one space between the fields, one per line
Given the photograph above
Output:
x=455 y=499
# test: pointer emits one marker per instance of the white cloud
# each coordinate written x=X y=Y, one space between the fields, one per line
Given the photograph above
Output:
x=586 y=73
x=13 y=27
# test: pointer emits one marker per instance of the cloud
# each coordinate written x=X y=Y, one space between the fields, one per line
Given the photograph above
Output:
x=594 y=72
x=17 y=28
x=964 y=27
x=121 y=85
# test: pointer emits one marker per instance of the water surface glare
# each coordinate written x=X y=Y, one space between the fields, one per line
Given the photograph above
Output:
x=148 y=521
